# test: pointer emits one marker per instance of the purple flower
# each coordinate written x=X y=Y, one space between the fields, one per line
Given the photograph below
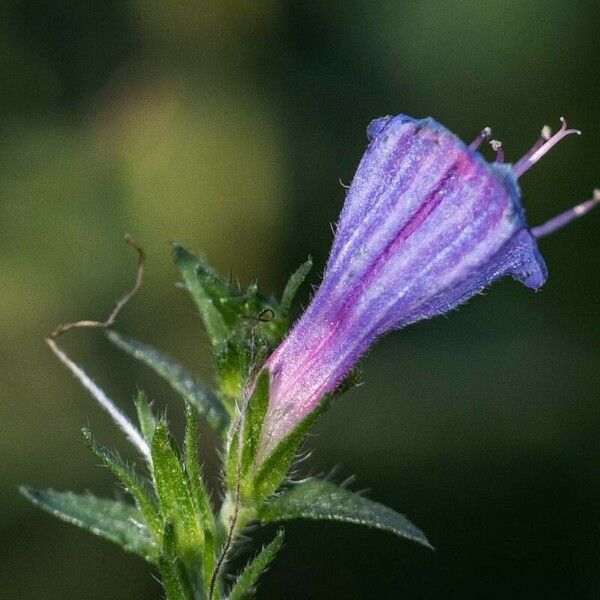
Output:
x=427 y=223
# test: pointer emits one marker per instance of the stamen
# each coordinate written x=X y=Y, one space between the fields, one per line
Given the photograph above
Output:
x=542 y=146
x=565 y=218
x=485 y=133
x=545 y=135
x=497 y=148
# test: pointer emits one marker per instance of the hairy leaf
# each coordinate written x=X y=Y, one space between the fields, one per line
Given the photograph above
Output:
x=322 y=500
x=172 y=574
x=120 y=523
x=130 y=480
x=177 y=377
x=200 y=495
x=146 y=419
x=174 y=494
x=207 y=290
x=293 y=285
x=244 y=586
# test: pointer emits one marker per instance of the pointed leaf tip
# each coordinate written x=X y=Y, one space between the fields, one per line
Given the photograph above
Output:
x=132 y=482
x=246 y=581
x=206 y=289
x=146 y=418
x=293 y=285
x=322 y=500
x=117 y=522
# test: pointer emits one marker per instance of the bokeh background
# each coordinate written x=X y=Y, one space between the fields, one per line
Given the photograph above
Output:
x=230 y=126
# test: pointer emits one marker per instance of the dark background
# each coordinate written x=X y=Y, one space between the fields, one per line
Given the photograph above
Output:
x=228 y=126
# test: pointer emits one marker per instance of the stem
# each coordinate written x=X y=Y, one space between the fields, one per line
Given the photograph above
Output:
x=227 y=544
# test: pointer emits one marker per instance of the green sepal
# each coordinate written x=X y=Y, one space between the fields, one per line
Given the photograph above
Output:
x=132 y=482
x=249 y=425
x=243 y=588
x=317 y=499
x=274 y=468
x=174 y=495
x=120 y=523
x=232 y=358
x=352 y=380
x=264 y=319
x=146 y=418
x=293 y=285
x=239 y=357
x=172 y=573
x=177 y=377
x=254 y=419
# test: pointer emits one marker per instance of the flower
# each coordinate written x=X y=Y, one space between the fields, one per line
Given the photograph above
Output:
x=427 y=223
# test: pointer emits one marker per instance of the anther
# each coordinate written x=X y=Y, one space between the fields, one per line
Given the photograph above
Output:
x=497 y=148
x=485 y=134
x=542 y=146
x=546 y=133
x=565 y=218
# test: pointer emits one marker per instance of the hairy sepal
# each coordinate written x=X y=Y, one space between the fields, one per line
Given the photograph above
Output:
x=240 y=463
x=272 y=470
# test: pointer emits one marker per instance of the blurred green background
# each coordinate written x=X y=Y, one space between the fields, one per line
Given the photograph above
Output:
x=228 y=126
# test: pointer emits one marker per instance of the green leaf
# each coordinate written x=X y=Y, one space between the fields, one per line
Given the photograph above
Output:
x=207 y=290
x=293 y=285
x=120 y=523
x=321 y=500
x=200 y=495
x=172 y=574
x=272 y=470
x=171 y=581
x=243 y=587
x=174 y=494
x=145 y=416
x=232 y=462
x=177 y=377
x=130 y=480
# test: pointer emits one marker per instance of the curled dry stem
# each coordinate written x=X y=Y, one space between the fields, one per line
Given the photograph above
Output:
x=120 y=303
x=105 y=402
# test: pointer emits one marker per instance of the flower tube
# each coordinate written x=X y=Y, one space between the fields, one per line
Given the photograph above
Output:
x=427 y=223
